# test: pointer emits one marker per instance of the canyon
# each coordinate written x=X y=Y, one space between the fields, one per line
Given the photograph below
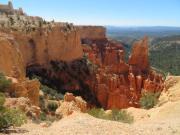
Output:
x=76 y=59
x=62 y=78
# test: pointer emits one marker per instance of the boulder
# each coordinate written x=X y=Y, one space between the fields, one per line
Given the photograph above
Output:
x=69 y=97
x=67 y=107
x=81 y=104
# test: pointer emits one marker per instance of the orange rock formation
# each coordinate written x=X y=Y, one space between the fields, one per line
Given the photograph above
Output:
x=70 y=105
x=39 y=47
x=119 y=84
x=20 y=50
x=115 y=84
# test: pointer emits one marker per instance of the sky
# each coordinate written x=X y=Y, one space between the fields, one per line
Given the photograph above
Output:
x=105 y=12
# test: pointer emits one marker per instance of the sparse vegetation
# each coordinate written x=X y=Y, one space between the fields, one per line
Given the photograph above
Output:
x=47 y=102
x=4 y=83
x=2 y=100
x=10 y=117
x=48 y=119
x=48 y=113
x=43 y=116
x=169 y=63
x=52 y=106
x=42 y=103
x=115 y=115
x=53 y=94
x=149 y=100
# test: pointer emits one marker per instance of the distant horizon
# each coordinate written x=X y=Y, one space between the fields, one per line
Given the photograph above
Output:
x=120 y=26
x=119 y=13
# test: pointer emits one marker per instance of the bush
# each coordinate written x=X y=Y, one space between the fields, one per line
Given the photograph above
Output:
x=47 y=118
x=122 y=116
x=115 y=115
x=10 y=117
x=43 y=116
x=52 y=106
x=149 y=100
x=36 y=77
x=4 y=82
x=2 y=99
x=42 y=103
x=96 y=112
x=53 y=94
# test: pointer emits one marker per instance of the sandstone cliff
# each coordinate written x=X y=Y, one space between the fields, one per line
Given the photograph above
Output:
x=54 y=44
x=40 y=47
x=35 y=43
x=11 y=59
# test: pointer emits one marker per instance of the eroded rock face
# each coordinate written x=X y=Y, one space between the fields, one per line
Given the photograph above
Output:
x=139 y=55
x=39 y=47
x=119 y=84
x=36 y=45
x=26 y=88
x=47 y=45
x=11 y=59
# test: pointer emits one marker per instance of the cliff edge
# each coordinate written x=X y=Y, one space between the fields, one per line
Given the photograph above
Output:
x=36 y=42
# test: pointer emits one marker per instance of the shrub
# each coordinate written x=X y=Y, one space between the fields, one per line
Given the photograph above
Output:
x=121 y=116
x=43 y=116
x=149 y=100
x=96 y=112
x=47 y=118
x=4 y=82
x=36 y=77
x=115 y=115
x=53 y=94
x=42 y=103
x=10 y=117
x=2 y=99
x=52 y=106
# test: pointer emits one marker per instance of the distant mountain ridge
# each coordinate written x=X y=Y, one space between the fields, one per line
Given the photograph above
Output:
x=165 y=54
x=164 y=44
x=138 y=32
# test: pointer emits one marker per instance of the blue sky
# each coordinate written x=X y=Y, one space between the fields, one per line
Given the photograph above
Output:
x=105 y=12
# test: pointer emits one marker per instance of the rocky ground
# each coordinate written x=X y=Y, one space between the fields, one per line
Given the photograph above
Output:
x=164 y=119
